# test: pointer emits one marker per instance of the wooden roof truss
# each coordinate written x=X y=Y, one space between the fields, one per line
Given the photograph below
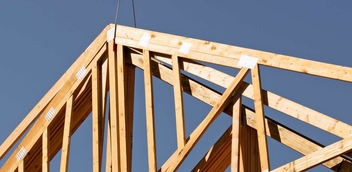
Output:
x=108 y=65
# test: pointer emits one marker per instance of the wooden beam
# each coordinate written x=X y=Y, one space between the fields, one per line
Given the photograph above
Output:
x=179 y=110
x=275 y=130
x=122 y=107
x=115 y=152
x=65 y=153
x=228 y=55
x=149 y=103
x=130 y=88
x=236 y=131
x=318 y=157
x=259 y=111
x=104 y=92
x=45 y=151
x=21 y=166
x=177 y=158
x=270 y=99
x=96 y=116
x=216 y=151
x=83 y=59
x=108 y=162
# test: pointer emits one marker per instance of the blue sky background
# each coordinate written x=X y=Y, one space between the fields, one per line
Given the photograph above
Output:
x=39 y=40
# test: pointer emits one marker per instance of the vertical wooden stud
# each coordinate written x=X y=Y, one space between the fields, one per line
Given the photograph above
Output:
x=66 y=136
x=121 y=107
x=96 y=116
x=259 y=111
x=129 y=85
x=148 y=84
x=45 y=150
x=180 y=125
x=236 y=131
x=113 y=108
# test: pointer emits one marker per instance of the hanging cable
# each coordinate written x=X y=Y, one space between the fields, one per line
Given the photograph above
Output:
x=116 y=16
x=134 y=14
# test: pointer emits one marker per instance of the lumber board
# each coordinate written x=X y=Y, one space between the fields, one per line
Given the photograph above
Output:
x=114 y=124
x=177 y=158
x=45 y=151
x=286 y=136
x=97 y=101
x=87 y=55
x=313 y=159
x=214 y=152
x=236 y=134
x=130 y=88
x=104 y=92
x=270 y=99
x=122 y=108
x=21 y=167
x=108 y=162
x=259 y=111
x=178 y=98
x=65 y=153
x=228 y=55
x=149 y=104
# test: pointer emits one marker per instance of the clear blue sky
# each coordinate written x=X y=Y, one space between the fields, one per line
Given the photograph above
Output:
x=40 y=40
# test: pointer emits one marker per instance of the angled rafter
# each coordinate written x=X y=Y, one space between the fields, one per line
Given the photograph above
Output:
x=228 y=55
x=320 y=156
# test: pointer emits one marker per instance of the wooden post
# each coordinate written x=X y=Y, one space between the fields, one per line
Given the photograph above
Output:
x=179 y=110
x=122 y=107
x=108 y=163
x=149 y=103
x=129 y=85
x=259 y=111
x=96 y=116
x=66 y=137
x=236 y=131
x=21 y=166
x=115 y=152
x=45 y=150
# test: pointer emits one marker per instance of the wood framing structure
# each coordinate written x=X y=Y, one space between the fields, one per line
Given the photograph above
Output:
x=107 y=67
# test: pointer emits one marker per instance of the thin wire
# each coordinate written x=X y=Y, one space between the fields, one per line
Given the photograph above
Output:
x=134 y=14
x=116 y=16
